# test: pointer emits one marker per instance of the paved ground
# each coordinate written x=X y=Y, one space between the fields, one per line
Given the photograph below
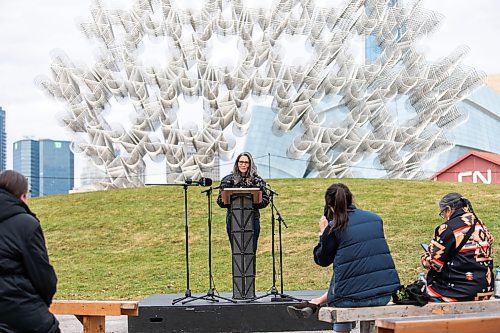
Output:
x=118 y=324
x=114 y=324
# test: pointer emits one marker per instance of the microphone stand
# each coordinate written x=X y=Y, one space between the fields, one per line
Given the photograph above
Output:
x=210 y=295
x=187 y=293
x=277 y=296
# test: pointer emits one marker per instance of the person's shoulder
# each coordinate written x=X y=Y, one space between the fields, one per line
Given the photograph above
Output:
x=367 y=214
x=444 y=227
x=259 y=178
x=227 y=178
x=24 y=221
x=28 y=219
x=458 y=222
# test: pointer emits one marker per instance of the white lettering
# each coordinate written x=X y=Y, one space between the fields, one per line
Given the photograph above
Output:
x=485 y=180
x=475 y=176
x=461 y=175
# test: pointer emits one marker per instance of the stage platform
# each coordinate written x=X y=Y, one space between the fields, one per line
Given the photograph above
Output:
x=157 y=314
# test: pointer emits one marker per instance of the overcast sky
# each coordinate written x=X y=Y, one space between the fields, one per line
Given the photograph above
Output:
x=31 y=29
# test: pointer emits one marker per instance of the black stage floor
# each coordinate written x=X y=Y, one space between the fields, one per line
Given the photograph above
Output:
x=157 y=314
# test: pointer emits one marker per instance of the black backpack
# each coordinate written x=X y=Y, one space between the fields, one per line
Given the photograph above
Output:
x=412 y=294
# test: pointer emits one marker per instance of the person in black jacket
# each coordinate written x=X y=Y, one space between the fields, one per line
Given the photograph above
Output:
x=353 y=241
x=244 y=175
x=27 y=279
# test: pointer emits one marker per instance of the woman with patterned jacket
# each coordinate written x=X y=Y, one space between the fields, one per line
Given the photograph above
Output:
x=459 y=256
x=244 y=175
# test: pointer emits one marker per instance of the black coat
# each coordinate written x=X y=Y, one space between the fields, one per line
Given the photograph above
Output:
x=229 y=182
x=27 y=279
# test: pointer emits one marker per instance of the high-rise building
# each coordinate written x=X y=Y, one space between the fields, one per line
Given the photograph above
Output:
x=57 y=167
x=27 y=162
x=3 y=139
x=48 y=164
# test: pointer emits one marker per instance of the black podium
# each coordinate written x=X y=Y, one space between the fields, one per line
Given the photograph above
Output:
x=242 y=201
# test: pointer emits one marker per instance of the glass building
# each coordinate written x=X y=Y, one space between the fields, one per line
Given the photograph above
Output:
x=478 y=131
x=57 y=167
x=48 y=164
x=269 y=150
x=3 y=141
x=347 y=95
x=26 y=161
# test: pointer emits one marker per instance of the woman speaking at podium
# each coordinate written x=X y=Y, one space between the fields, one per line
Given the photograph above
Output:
x=244 y=175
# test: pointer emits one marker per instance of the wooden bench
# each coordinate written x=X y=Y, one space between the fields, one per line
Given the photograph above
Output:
x=458 y=323
x=367 y=316
x=92 y=314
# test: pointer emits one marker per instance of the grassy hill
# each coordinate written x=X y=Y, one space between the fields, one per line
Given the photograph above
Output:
x=129 y=244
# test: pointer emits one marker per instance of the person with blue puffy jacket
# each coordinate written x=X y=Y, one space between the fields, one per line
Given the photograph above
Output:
x=353 y=241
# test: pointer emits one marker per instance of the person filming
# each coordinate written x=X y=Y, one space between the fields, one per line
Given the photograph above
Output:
x=353 y=241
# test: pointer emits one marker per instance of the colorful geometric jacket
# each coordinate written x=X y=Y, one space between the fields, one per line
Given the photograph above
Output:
x=464 y=276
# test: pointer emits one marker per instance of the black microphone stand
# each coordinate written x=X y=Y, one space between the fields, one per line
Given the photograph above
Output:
x=187 y=293
x=210 y=295
x=278 y=296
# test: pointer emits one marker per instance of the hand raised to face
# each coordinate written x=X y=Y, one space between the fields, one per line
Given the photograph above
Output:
x=323 y=222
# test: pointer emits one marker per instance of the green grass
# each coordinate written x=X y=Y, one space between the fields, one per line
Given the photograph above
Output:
x=129 y=243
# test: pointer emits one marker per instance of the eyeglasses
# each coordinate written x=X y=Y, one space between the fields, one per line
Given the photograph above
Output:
x=441 y=213
x=243 y=162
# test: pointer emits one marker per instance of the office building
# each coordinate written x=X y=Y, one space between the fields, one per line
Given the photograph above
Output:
x=57 y=169
x=48 y=164
x=27 y=161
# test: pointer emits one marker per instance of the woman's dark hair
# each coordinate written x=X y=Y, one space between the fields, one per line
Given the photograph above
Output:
x=13 y=182
x=337 y=198
x=456 y=201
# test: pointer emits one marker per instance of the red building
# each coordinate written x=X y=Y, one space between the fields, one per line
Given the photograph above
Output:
x=473 y=167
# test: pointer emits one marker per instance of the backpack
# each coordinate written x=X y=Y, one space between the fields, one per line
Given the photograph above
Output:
x=411 y=294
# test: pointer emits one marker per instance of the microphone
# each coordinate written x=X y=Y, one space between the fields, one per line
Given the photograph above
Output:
x=203 y=181
x=208 y=190
x=271 y=190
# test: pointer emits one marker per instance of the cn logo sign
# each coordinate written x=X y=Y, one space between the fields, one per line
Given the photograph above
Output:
x=475 y=176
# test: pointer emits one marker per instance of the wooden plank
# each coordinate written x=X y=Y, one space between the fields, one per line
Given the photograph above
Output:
x=130 y=309
x=94 y=324
x=95 y=308
x=441 y=324
x=366 y=326
x=330 y=314
x=383 y=330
